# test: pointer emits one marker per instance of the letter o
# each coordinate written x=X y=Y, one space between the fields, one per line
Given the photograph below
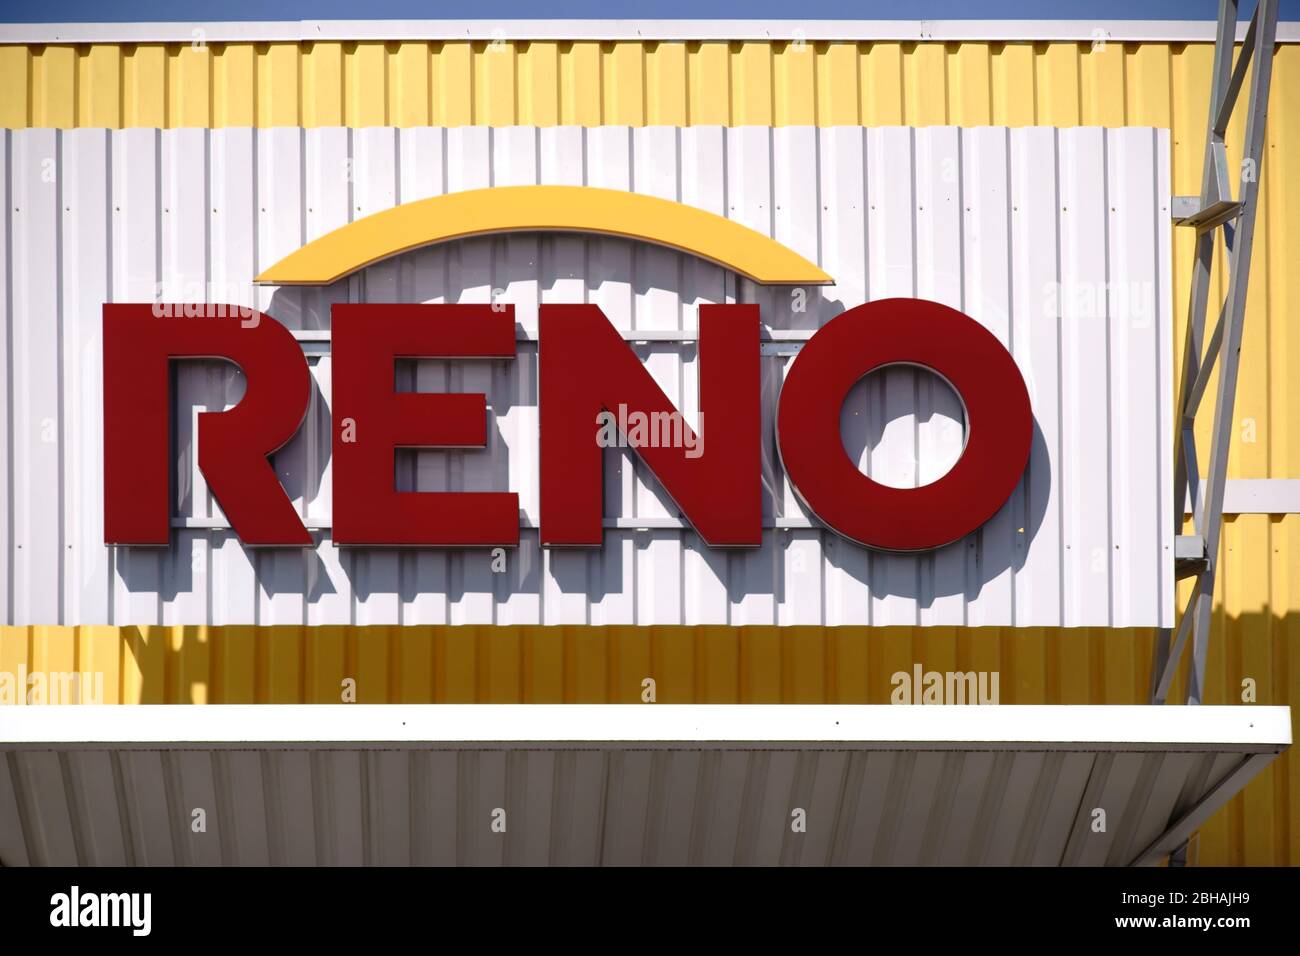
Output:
x=999 y=424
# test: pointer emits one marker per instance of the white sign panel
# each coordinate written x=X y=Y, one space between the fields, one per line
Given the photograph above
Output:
x=1055 y=241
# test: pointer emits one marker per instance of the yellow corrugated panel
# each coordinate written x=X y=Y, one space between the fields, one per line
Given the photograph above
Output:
x=882 y=83
x=453 y=103
x=144 y=80
x=926 y=85
x=708 y=81
x=706 y=664
x=623 y=81
x=15 y=81
x=189 y=80
x=1275 y=259
x=1146 y=92
x=794 y=84
x=970 y=66
x=1012 y=81
x=1102 y=85
x=750 y=64
x=99 y=82
x=278 y=91
x=494 y=84
x=322 y=84
x=538 y=69
x=415 y=82
x=234 y=69
x=667 y=102
x=54 y=87
x=1055 y=84
x=409 y=86
x=365 y=85
x=838 y=72
x=581 y=101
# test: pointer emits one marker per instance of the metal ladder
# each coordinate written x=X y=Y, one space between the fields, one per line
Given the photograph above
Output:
x=1214 y=210
x=1196 y=555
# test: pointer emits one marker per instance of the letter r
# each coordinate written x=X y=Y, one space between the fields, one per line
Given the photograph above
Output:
x=233 y=445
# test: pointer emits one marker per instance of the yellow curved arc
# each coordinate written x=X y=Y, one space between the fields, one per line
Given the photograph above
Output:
x=608 y=212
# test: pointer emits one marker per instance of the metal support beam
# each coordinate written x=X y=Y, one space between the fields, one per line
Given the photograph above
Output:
x=1177 y=833
x=1216 y=207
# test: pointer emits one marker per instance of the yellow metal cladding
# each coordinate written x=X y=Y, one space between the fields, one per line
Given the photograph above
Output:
x=740 y=83
x=589 y=82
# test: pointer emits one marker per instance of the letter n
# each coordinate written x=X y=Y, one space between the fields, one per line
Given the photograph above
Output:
x=586 y=367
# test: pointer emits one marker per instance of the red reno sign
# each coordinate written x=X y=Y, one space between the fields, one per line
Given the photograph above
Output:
x=587 y=375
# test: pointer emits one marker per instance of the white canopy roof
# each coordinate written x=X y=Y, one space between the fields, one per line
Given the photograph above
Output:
x=611 y=784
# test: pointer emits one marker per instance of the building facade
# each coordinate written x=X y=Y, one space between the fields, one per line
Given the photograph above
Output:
x=509 y=84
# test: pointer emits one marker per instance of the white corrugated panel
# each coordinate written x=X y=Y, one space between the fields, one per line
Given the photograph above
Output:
x=633 y=785
x=1056 y=240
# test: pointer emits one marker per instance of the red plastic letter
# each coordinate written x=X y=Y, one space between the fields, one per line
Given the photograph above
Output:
x=999 y=424
x=586 y=369
x=233 y=445
x=371 y=421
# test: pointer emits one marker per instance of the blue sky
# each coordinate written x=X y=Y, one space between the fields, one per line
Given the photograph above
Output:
x=124 y=10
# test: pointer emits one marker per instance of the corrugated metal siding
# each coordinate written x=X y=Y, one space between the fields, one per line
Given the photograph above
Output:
x=1052 y=240
x=595 y=83
x=965 y=84
x=615 y=807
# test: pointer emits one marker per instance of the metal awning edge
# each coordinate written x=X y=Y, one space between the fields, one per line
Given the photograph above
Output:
x=1244 y=728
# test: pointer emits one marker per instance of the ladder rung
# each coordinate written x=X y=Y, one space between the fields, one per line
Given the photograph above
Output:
x=1212 y=215
x=1189 y=554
